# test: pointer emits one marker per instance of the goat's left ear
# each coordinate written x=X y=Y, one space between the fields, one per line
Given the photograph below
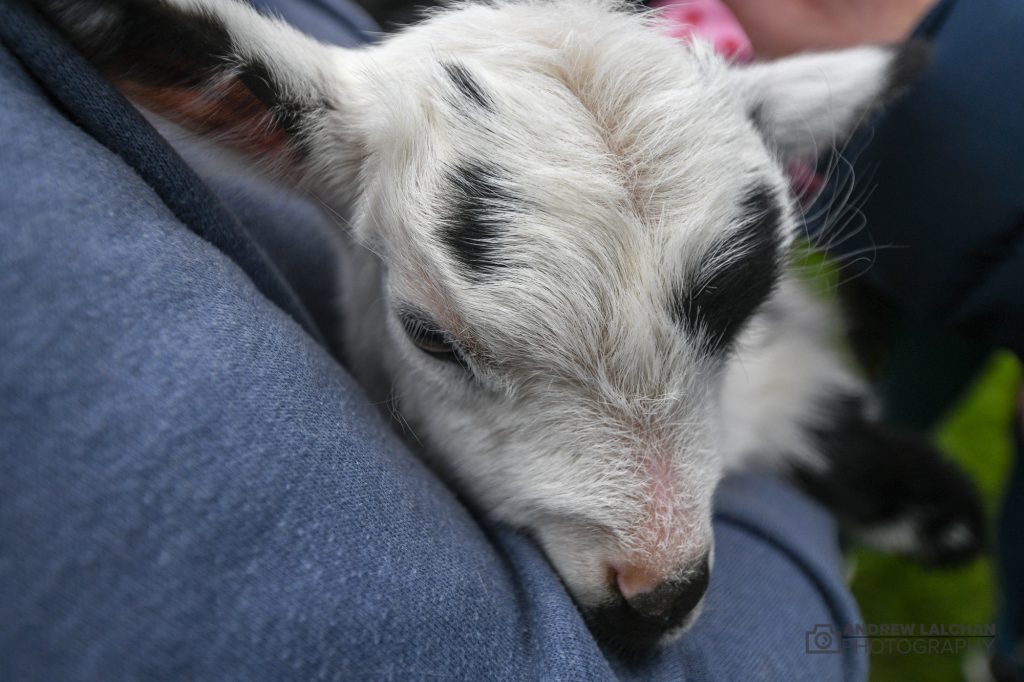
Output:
x=224 y=72
x=807 y=103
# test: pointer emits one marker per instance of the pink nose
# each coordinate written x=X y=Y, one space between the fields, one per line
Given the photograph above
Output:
x=634 y=580
x=660 y=597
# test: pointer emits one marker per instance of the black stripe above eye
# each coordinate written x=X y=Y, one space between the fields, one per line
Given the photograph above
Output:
x=476 y=218
x=735 y=276
x=466 y=84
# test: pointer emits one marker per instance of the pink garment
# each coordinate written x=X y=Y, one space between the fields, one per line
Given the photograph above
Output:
x=710 y=20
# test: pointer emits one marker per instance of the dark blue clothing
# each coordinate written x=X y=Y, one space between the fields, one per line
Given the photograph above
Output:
x=193 y=488
x=945 y=166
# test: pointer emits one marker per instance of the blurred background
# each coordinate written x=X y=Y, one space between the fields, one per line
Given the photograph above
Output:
x=893 y=590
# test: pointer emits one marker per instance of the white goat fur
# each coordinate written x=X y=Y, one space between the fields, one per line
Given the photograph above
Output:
x=589 y=416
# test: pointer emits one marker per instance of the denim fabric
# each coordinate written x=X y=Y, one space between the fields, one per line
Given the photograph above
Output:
x=332 y=21
x=96 y=108
x=193 y=488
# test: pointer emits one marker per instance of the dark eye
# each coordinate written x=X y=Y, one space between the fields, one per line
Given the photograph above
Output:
x=431 y=339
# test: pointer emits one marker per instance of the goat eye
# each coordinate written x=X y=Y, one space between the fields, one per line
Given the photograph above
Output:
x=431 y=340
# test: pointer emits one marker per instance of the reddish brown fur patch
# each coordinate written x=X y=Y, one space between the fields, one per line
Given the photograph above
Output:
x=229 y=111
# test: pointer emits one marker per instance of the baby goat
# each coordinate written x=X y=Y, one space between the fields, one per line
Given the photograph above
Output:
x=568 y=263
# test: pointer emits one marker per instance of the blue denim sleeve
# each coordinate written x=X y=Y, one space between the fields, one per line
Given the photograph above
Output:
x=193 y=488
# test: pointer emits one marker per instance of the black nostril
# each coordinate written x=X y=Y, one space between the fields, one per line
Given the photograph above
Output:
x=673 y=600
x=639 y=623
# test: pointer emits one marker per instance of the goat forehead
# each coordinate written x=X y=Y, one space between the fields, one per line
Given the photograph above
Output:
x=528 y=256
x=539 y=185
x=627 y=170
x=544 y=99
x=547 y=192
x=590 y=149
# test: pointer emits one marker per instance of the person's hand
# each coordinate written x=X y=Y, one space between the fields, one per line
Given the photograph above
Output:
x=783 y=27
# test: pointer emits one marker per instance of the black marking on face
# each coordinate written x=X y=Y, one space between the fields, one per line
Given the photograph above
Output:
x=756 y=117
x=736 y=276
x=477 y=215
x=467 y=85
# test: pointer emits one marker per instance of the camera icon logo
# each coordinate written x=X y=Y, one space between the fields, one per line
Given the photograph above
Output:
x=823 y=639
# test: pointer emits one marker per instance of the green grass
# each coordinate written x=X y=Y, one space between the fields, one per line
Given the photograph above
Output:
x=892 y=590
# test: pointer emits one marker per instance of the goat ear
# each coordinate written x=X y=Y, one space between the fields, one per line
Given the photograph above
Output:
x=806 y=103
x=218 y=69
